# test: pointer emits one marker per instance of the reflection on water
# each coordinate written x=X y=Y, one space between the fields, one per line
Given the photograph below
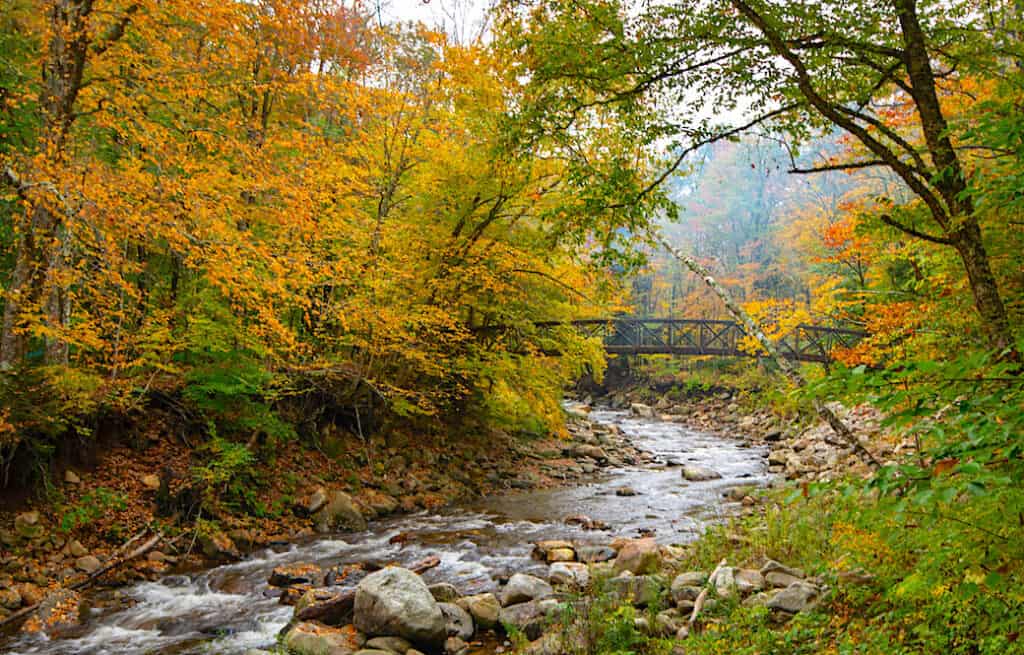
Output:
x=225 y=610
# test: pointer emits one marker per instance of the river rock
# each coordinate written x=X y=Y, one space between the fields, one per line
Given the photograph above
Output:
x=593 y=452
x=458 y=621
x=293 y=574
x=60 y=611
x=395 y=645
x=592 y=554
x=639 y=590
x=626 y=492
x=88 y=563
x=316 y=639
x=10 y=599
x=638 y=556
x=455 y=646
x=339 y=513
x=795 y=598
x=569 y=574
x=772 y=566
x=27 y=525
x=642 y=410
x=217 y=545
x=444 y=592
x=526 y=617
x=484 y=609
x=522 y=587
x=561 y=555
x=694 y=473
x=748 y=581
x=780 y=579
x=687 y=586
x=396 y=602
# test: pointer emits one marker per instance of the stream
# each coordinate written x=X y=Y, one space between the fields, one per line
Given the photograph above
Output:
x=227 y=610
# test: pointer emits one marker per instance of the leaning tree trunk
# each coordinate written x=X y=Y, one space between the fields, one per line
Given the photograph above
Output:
x=792 y=374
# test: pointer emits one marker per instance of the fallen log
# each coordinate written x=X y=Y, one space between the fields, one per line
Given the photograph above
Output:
x=92 y=577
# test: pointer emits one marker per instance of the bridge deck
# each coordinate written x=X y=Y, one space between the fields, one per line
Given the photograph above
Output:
x=695 y=337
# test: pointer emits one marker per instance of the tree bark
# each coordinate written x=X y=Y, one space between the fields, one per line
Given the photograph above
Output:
x=842 y=430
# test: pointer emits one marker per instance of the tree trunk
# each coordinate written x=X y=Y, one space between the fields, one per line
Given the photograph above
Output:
x=968 y=243
x=842 y=430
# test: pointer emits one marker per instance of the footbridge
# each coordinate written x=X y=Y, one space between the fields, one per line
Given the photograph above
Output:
x=624 y=335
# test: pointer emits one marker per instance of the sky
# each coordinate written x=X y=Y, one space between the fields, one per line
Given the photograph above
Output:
x=459 y=18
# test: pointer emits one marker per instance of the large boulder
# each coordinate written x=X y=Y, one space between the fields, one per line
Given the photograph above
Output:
x=638 y=556
x=484 y=609
x=396 y=602
x=522 y=588
x=316 y=639
x=339 y=513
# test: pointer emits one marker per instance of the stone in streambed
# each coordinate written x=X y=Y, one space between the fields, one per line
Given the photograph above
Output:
x=338 y=513
x=484 y=608
x=395 y=645
x=522 y=588
x=638 y=556
x=593 y=554
x=569 y=574
x=396 y=602
x=693 y=473
x=444 y=592
x=458 y=621
x=315 y=639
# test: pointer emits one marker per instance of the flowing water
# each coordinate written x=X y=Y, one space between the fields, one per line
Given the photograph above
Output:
x=228 y=609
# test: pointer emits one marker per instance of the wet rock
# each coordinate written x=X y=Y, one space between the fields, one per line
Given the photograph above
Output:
x=293 y=574
x=339 y=513
x=638 y=556
x=569 y=574
x=27 y=525
x=444 y=592
x=217 y=545
x=316 y=639
x=484 y=609
x=522 y=588
x=694 y=473
x=641 y=410
x=458 y=621
x=795 y=598
x=396 y=602
x=88 y=564
x=592 y=554
x=395 y=645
